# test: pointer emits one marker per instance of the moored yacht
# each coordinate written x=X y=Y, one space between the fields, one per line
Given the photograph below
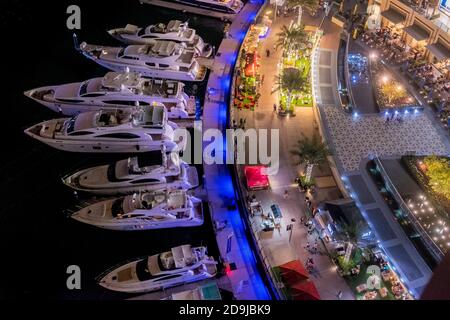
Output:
x=159 y=59
x=228 y=6
x=116 y=91
x=180 y=265
x=146 y=172
x=174 y=30
x=121 y=131
x=144 y=211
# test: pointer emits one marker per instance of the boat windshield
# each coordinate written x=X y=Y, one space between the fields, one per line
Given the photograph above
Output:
x=142 y=272
x=117 y=208
x=71 y=125
x=83 y=88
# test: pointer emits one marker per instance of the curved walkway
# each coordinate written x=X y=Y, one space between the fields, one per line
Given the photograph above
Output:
x=245 y=280
x=276 y=245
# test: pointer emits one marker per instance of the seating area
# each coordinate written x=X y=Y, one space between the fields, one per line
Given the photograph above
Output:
x=431 y=77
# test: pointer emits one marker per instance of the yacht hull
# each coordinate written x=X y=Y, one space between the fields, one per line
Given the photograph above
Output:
x=104 y=147
x=190 y=182
x=136 y=286
x=151 y=73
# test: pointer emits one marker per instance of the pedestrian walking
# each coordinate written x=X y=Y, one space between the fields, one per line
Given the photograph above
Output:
x=274 y=107
x=262 y=79
x=339 y=295
x=316 y=247
x=286 y=194
x=267 y=53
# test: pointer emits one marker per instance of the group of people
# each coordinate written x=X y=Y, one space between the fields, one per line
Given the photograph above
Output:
x=428 y=77
x=392 y=48
x=391 y=118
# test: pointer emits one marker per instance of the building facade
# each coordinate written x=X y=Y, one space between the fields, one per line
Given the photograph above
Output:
x=424 y=26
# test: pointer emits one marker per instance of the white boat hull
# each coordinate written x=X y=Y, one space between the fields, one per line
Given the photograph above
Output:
x=190 y=182
x=75 y=109
x=106 y=147
x=195 y=222
x=149 y=72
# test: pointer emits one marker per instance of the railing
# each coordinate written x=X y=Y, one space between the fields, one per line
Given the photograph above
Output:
x=431 y=245
x=430 y=12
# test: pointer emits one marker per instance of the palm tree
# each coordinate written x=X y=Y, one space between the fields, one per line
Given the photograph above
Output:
x=351 y=233
x=311 y=5
x=291 y=80
x=291 y=36
x=311 y=152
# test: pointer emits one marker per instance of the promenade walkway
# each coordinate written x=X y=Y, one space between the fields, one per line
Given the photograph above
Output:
x=276 y=245
x=245 y=280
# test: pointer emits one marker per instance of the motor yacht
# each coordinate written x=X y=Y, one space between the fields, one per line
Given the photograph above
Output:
x=145 y=172
x=228 y=6
x=144 y=211
x=116 y=91
x=180 y=265
x=159 y=59
x=174 y=30
x=109 y=131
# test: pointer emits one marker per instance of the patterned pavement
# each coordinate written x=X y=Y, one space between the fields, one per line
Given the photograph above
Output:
x=356 y=138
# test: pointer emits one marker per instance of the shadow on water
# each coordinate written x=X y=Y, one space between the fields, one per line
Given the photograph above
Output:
x=36 y=239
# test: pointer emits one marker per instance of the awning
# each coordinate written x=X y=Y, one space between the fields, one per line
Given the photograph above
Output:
x=394 y=16
x=305 y=290
x=417 y=32
x=293 y=272
x=439 y=50
x=256 y=177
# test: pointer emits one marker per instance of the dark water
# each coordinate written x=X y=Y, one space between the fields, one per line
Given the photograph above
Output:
x=37 y=242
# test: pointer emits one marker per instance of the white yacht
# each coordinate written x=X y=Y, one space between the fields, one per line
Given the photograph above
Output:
x=116 y=91
x=159 y=59
x=181 y=265
x=175 y=30
x=228 y=6
x=121 y=131
x=146 y=172
x=144 y=211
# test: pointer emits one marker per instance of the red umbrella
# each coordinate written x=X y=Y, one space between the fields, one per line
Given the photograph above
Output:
x=293 y=271
x=305 y=290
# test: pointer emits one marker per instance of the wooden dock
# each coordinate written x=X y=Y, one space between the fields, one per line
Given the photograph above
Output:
x=190 y=9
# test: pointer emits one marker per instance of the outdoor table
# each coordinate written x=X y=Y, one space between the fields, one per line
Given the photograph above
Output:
x=276 y=213
x=372 y=295
x=361 y=288
x=267 y=225
x=383 y=292
x=386 y=275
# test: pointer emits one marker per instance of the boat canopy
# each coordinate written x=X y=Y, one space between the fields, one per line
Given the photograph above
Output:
x=182 y=256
